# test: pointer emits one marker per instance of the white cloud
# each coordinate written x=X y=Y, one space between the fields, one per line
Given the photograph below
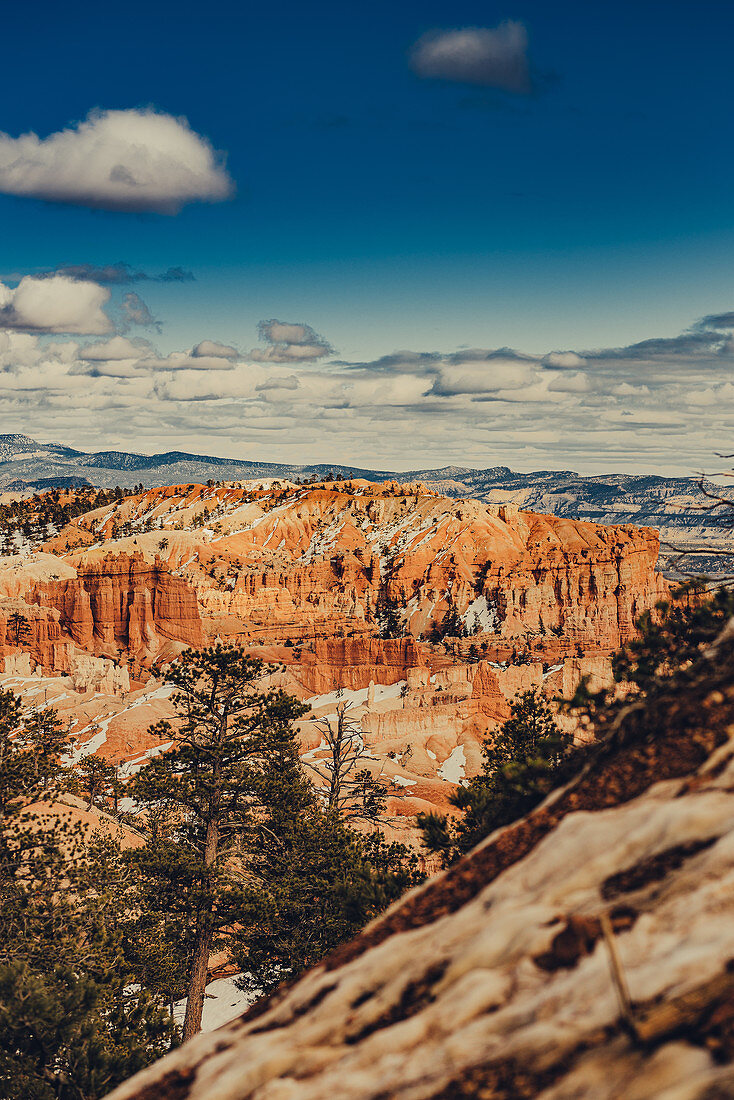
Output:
x=114 y=368
x=119 y=347
x=135 y=312
x=478 y=376
x=178 y=361
x=625 y=389
x=563 y=359
x=714 y=395
x=212 y=348
x=55 y=305
x=289 y=343
x=405 y=410
x=570 y=383
x=495 y=57
x=139 y=160
x=18 y=349
x=189 y=385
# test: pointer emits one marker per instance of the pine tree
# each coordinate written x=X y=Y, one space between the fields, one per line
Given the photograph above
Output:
x=31 y=746
x=16 y=766
x=45 y=738
x=389 y=615
x=452 y=625
x=159 y=934
x=520 y=765
x=667 y=654
x=72 y=1023
x=312 y=882
x=18 y=625
x=224 y=735
x=99 y=780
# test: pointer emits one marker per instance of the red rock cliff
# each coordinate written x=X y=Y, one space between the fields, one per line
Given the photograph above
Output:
x=124 y=603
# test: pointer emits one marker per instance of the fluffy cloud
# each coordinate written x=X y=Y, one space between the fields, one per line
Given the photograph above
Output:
x=183 y=361
x=55 y=305
x=714 y=395
x=662 y=404
x=119 y=347
x=208 y=348
x=136 y=160
x=496 y=57
x=482 y=375
x=289 y=343
x=570 y=383
x=135 y=312
x=564 y=360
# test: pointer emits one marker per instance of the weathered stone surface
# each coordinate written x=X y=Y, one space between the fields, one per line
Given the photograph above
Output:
x=124 y=604
x=38 y=633
x=99 y=675
x=353 y=662
x=314 y=562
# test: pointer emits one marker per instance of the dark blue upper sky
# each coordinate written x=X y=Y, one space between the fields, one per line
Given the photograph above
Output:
x=376 y=187
x=389 y=210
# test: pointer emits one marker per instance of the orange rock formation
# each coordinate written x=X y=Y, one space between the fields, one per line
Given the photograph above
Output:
x=120 y=605
x=299 y=574
x=315 y=561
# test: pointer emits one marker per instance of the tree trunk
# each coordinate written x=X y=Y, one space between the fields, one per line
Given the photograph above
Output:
x=202 y=946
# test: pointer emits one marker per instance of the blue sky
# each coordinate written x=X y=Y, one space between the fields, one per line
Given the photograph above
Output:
x=389 y=208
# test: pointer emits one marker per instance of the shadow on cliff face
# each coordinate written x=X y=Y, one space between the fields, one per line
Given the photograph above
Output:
x=585 y=950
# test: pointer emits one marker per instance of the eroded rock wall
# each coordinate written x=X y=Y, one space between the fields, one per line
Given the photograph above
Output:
x=124 y=604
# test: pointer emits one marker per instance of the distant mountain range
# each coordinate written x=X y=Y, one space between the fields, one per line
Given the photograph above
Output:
x=679 y=507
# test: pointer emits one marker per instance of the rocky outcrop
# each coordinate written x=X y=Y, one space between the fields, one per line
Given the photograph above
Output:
x=553 y=585
x=299 y=563
x=352 y=662
x=35 y=631
x=584 y=951
x=303 y=576
x=124 y=604
x=99 y=675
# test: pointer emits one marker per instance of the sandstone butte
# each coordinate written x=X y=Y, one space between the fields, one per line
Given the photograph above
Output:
x=296 y=574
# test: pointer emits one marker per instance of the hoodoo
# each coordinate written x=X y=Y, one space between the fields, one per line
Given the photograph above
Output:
x=427 y=615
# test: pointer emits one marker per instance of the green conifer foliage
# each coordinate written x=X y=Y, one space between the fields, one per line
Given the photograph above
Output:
x=520 y=765
x=72 y=1024
x=312 y=882
x=389 y=615
x=227 y=732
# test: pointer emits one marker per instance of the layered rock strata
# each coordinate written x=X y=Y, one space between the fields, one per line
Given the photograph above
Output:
x=302 y=563
x=124 y=604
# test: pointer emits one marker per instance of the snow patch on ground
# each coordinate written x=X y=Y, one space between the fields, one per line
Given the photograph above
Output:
x=102 y=724
x=453 y=768
x=132 y=766
x=551 y=670
x=312 y=753
x=356 y=696
x=223 y=1002
x=480 y=610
